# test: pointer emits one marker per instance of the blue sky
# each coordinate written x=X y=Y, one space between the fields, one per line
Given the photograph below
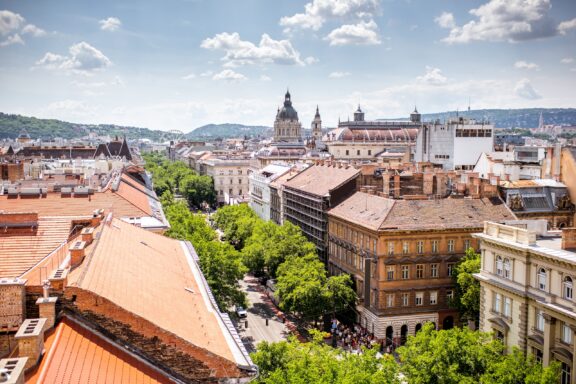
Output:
x=181 y=64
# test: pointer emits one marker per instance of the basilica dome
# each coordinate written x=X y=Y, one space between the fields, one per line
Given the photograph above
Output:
x=287 y=112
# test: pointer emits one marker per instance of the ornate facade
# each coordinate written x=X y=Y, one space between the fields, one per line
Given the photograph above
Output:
x=287 y=128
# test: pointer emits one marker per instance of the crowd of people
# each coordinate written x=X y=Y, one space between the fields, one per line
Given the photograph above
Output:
x=352 y=339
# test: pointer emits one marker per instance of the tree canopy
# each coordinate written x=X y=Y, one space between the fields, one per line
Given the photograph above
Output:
x=467 y=298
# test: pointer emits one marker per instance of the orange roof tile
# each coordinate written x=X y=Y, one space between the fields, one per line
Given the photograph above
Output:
x=20 y=251
x=134 y=195
x=78 y=355
x=55 y=205
x=154 y=277
x=319 y=180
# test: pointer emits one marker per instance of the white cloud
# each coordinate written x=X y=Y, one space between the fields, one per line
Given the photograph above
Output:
x=433 y=76
x=83 y=58
x=33 y=30
x=206 y=73
x=566 y=26
x=317 y=12
x=567 y=60
x=265 y=78
x=229 y=75
x=68 y=109
x=337 y=74
x=242 y=52
x=525 y=90
x=525 y=65
x=506 y=20
x=445 y=20
x=10 y=22
x=110 y=24
x=363 y=33
x=311 y=60
x=12 y=39
x=189 y=76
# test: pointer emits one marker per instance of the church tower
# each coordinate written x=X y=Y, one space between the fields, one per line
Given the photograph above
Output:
x=415 y=117
x=359 y=115
x=287 y=128
x=317 y=126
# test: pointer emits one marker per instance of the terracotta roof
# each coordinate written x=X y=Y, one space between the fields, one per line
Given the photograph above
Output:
x=155 y=277
x=76 y=354
x=134 y=195
x=122 y=205
x=321 y=179
x=380 y=213
x=21 y=250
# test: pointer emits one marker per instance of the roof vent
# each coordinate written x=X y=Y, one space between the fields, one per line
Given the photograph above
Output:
x=12 y=370
x=30 y=338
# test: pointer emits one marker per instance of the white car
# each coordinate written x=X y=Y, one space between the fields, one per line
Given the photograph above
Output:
x=241 y=312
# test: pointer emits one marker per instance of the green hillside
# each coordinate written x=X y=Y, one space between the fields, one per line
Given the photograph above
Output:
x=229 y=130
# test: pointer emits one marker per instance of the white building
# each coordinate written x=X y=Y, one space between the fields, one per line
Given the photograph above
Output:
x=456 y=145
x=259 y=183
x=527 y=292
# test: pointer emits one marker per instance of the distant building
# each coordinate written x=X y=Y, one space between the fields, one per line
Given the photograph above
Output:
x=505 y=141
x=456 y=145
x=260 y=188
x=287 y=127
x=230 y=173
x=316 y=127
x=527 y=292
x=400 y=254
x=363 y=140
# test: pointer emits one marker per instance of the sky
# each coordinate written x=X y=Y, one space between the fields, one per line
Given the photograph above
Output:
x=168 y=64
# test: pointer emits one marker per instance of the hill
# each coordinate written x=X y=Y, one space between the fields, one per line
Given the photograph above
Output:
x=229 y=130
x=513 y=118
x=47 y=129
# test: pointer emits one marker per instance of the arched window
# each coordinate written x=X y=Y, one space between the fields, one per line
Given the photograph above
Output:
x=507 y=269
x=542 y=279
x=567 y=288
x=499 y=266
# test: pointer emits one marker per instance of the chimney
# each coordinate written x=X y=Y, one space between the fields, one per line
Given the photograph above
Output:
x=30 y=337
x=47 y=306
x=12 y=302
x=12 y=370
x=97 y=217
x=59 y=279
x=77 y=253
x=87 y=235
x=569 y=239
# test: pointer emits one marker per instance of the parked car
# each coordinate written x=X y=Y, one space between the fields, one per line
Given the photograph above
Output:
x=241 y=312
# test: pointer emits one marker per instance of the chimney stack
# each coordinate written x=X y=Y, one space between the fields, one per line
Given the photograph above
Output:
x=87 y=235
x=77 y=253
x=30 y=337
x=59 y=279
x=47 y=306
x=12 y=370
x=13 y=302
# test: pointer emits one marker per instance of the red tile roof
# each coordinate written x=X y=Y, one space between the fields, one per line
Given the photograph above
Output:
x=321 y=179
x=76 y=354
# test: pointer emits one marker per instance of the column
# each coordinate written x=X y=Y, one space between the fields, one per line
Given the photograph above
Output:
x=549 y=336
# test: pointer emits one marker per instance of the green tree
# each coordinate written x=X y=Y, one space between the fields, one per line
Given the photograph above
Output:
x=467 y=298
x=237 y=223
x=338 y=293
x=516 y=367
x=198 y=190
x=315 y=362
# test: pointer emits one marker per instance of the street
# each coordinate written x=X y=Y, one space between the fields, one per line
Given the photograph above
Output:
x=259 y=309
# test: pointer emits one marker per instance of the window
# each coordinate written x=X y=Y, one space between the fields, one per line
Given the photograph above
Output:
x=390 y=272
x=419 y=297
x=419 y=271
x=390 y=300
x=507 y=271
x=374 y=246
x=405 y=272
x=239 y=181
x=466 y=244
x=450 y=245
x=240 y=192
x=405 y=299
x=347 y=152
x=433 y=298
x=540 y=320
x=449 y=295
x=567 y=288
x=566 y=334
x=566 y=374
x=497 y=302
x=433 y=270
x=239 y=171
x=358 y=152
x=420 y=246
x=434 y=246
x=499 y=266
x=405 y=247
x=542 y=277
x=230 y=191
x=507 y=307
x=230 y=171
x=390 y=248
x=449 y=268
x=369 y=152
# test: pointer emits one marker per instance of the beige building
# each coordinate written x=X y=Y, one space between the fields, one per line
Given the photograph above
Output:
x=527 y=294
x=230 y=174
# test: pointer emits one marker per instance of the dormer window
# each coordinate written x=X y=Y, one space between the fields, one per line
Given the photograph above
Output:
x=542 y=279
x=567 y=290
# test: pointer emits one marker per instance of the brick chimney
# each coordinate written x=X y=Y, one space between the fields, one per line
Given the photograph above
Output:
x=12 y=370
x=12 y=302
x=569 y=239
x=97 y=217
x=77 y=253
x=30 y=337
x=47 y=306
x=59 y=279
x=87 y=235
